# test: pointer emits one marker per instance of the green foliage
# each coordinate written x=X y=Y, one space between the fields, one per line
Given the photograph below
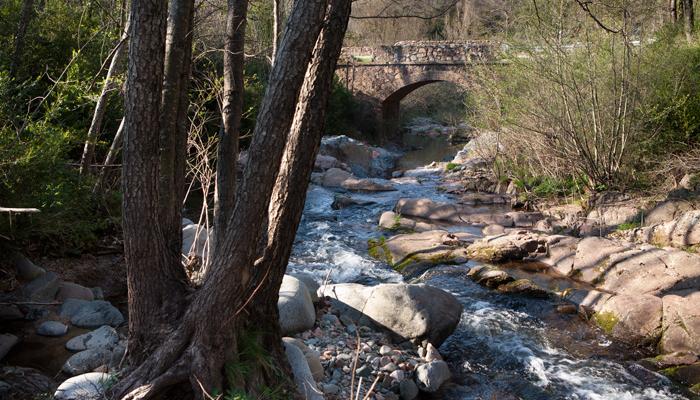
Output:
x=341 y=109
x=628 y=225
x=451 y=166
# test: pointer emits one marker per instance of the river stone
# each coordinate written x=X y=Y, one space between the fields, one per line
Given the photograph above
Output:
x=313 y=357
x=367 y=185
x=91 y=314
x=302 y=373
x=523 y=219
x=296 y=309
x=363 y=160
x=634 y=319
x=651 y=270
x=86 y=361
x=103 y=337
x=489 y=276
x=310 y=282
x=667 y=211
x=423 y=248
x=592 y=258
x=7 y=342
x=90 y=386
x=525 y=287
x=448 y=212
x=410 y=311
x=681 y=323
x=52 y=328
x=42 y=288
x=70 y=290
x=26 y=269
x=24 y=383
x=681 y=232
x=431 y=376
x=493 y=230
x=511 y=247
x=334 y=177
x=324 y=162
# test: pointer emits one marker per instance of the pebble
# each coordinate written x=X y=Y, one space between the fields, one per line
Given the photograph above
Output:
x=364 y=371
x=384 y=350
x=432 y=354
x=390 y=367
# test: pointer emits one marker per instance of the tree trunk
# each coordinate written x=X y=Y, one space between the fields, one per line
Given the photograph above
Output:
x=109 y=84
x=205 y=339
x=276 y=26
x=673 y=10
x=688 y=19
x=25 y=18
x=111 y=155
x=156 y=286
x=174 y=126
x=232 y=111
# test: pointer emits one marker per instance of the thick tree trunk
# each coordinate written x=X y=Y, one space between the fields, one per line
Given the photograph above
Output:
x=673 y=10
x=25 y=18
x=232 y=110
x=174 y=126
x=205 y=339
x=688 y=19
x=156 y=286
x=101 y=106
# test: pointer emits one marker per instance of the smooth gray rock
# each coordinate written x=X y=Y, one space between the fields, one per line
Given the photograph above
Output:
x=302 y=373
x=429 y=377
x=44 y=287
x=86 y=361
x=334 y=177
x=310 y=282
x=313 y=358
x=52 y=328
x=90 y=386
x=70 y=290
x=297 y=313
x=7 y=342
x=410 y=311
x=91 y=314
x=104 y=337
x=408 y=390
x=26 y=269
x=681 y=323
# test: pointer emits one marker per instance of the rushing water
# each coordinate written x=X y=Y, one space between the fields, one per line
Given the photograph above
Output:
x=505 y=347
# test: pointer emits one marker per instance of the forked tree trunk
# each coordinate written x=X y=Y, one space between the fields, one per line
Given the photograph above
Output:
x=101 y=106
x=205 y=338
x=232 y=111
x=174 y=127
x=156 y=286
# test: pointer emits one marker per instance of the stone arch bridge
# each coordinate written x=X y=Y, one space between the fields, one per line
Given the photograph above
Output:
x=386 y=74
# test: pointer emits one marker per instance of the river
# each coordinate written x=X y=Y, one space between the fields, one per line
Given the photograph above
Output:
x=505 y=347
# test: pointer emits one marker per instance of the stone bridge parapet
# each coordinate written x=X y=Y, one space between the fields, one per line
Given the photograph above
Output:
x=419 y=52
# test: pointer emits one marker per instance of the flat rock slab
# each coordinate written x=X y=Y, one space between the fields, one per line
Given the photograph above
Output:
x=592 y=257
x=509 y=247
x=681 y=323
x=632 y=319
x=91 y=314
x=429 y=247
x=449 y=212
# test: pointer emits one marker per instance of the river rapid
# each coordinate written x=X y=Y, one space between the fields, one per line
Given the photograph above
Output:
x=506 y=346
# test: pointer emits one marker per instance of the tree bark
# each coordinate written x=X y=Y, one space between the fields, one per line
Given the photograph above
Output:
x=25 y=19
x=205 y=338
x=174 y=126
x=101 y=106
x=232 y=111
x=156 y=286
x=673 y=10
x=688 y=19
x=276 y=26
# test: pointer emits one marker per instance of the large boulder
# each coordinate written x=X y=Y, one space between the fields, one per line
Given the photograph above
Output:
x=104 y=337
x=367 y=185
x=450 y=212
x=419 y=249
x=296 y=308
x=668 y=210
x=334 y=177
x=409 y=311
x=394 y=222
x=324 y=162
x=681 y=323
x=310 y=282
x=634 y=319
x=303 y=376
x=70 y=290
x=91 y=386
x=87 y=360
x=511 y=247
x=24 y=383
x=91 y=314
x=363 y=160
